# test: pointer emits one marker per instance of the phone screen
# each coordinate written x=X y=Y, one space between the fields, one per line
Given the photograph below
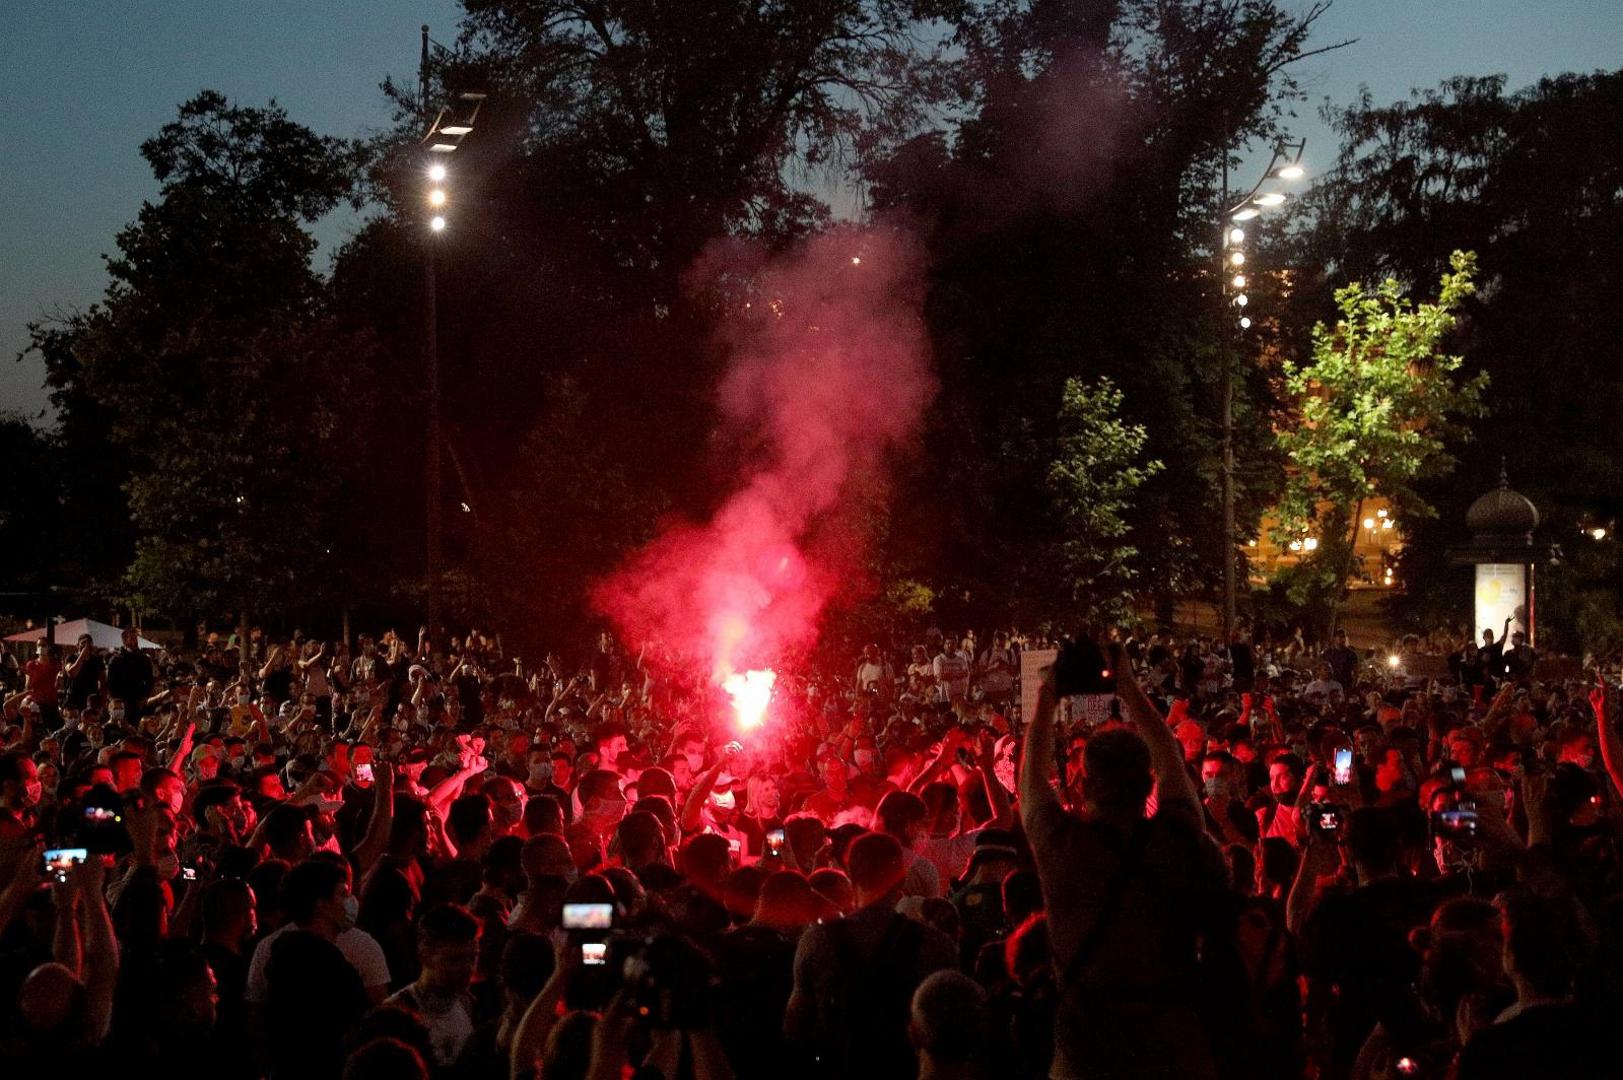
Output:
x=1343 y=765
x=60 y=861
x=363 y=772
x=774 y=842
x=594 y=953
x=588 y=916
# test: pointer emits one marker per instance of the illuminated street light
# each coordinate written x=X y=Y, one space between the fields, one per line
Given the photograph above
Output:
x=436 y=172
x=436 y=197
x=436 y=223
x=1369 y=523
x=1285 y=164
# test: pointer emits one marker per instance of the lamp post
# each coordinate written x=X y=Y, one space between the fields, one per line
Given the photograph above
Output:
x=1286 y=164
x=446 y=130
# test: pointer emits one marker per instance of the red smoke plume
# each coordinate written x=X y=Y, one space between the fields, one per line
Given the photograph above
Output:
x=827 y=372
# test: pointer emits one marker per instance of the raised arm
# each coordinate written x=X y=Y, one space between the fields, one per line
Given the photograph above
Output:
x=100 y=975
x=693 y=809
x=1611 y=747
x=1175 y=792
x=542 y=1016
x=376 y=840
x=1037 y=757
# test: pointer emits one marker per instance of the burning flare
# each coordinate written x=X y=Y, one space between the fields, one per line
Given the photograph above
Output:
x=750 y=692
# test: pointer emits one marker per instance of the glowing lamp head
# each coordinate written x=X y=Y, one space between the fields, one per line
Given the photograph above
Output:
x=1245 y=324
x=751 y=692
x=437 y=223
x=436 y=197
x=1292 y=172
x=1237 y=259
x=1393 y=661
x=1239 y=281
x=1236 y=236
x=1273 y=198
x=1247 y=214
x=1598 y=533
x=436 y=173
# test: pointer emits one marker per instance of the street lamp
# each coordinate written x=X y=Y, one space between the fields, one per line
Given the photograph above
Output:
x=450 y=125
x=1286 y=164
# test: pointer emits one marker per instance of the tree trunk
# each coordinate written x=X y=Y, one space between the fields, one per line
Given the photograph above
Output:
x=1340 y=592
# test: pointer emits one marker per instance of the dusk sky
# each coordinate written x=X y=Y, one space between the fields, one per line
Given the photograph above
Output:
x=86 y=81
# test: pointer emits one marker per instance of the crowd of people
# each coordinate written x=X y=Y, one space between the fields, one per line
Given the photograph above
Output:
x=298 y=858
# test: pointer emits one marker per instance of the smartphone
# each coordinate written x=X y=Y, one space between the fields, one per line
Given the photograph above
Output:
x=1455 y=824
x=594 y=953
x=60 y=861
x=588 y=916
x=1456 y=773
x=1344 y=769
x=363 y=772
x=774 y=842
x=1324 y=818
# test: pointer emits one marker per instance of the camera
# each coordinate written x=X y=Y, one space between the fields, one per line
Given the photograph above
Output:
x=100 y=828
x=1326 y=819
x=1082 y=668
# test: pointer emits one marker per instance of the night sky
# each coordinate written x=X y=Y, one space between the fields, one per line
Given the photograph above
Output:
x=85 y=81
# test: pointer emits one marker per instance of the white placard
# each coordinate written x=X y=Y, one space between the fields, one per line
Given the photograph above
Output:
x=1501 y=593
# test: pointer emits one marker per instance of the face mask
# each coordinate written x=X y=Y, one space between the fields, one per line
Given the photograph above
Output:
x=32 y=792
x=352 y=911
x=506 y=815
x=169 y=865
x=724 y=801
x=863 y=758
x=695 y=761
x=242 y=699
x=115 y=714
x=1215 y=788
x=613 y=809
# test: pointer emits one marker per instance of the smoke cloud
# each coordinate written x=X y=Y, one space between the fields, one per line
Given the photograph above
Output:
x=827 y=374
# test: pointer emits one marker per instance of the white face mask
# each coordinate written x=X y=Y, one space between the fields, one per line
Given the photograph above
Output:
x=695 y=761
x=541 y=772
x=242 y=699
x=116 y=713
x=863 y=758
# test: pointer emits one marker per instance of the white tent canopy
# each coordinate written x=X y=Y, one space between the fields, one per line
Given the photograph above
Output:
x=102 y=636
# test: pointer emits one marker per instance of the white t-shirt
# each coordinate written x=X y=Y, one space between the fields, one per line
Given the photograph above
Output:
x=361 y=949
x=449 y=1023
x=948 y=854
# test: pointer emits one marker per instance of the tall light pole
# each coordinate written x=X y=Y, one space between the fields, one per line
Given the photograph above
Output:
x=446 y=129
x=1286 y=164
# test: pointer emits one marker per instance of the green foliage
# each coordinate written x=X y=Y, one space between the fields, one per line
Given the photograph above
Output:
x=227 y=391
x=1373 y=411
x=1528 y=178
x=1095 y=474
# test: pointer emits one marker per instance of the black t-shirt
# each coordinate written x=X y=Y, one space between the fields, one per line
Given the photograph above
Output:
x=1358 y=942
x=130 y=678
x=1545 y=1040
x=86 y=682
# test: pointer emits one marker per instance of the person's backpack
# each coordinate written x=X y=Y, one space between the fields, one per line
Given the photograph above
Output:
x=864 y=1012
